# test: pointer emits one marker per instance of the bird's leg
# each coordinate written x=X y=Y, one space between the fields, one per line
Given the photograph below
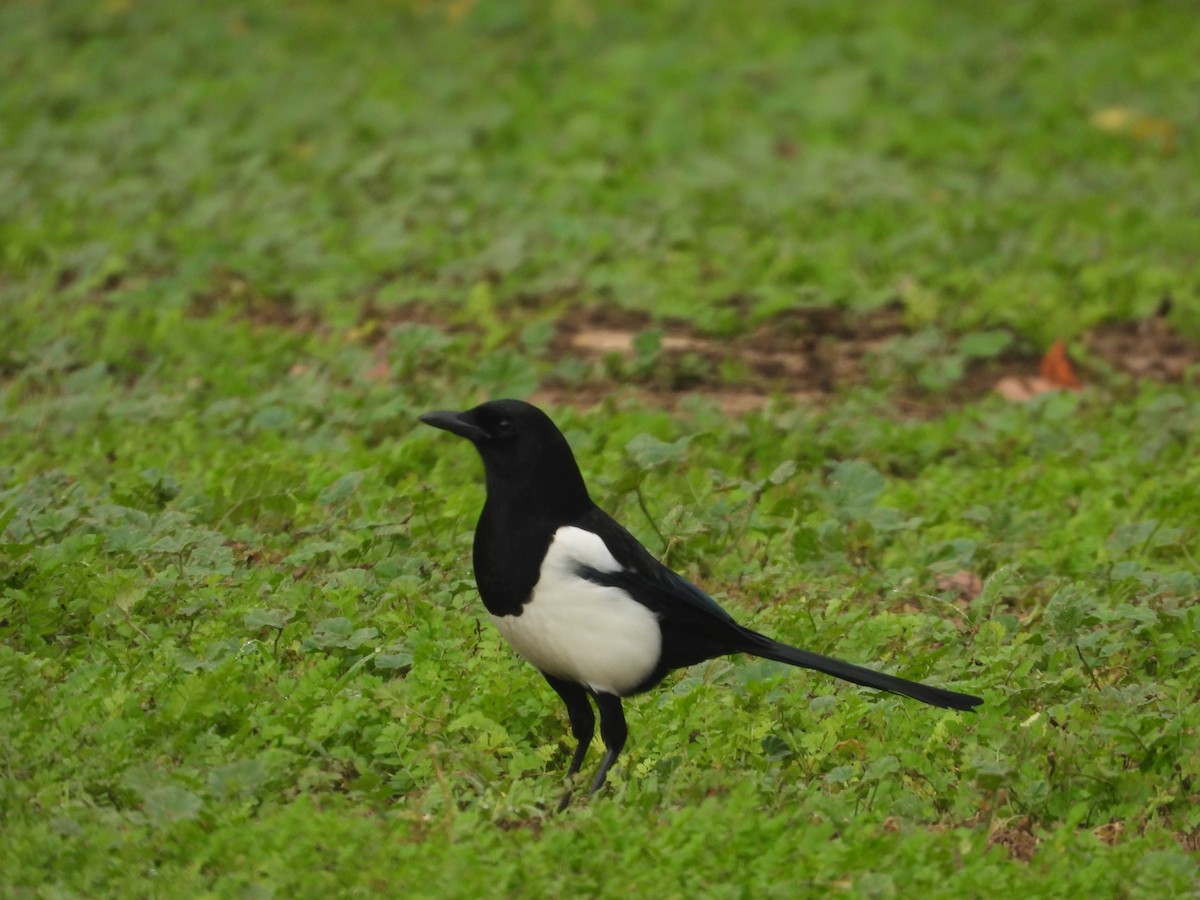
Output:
x=583 y=724
x=612 y=731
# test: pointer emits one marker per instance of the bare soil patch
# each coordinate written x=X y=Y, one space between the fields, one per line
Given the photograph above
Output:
x=1016 y=837
x=1146 y=349
x=809 y=354
x=234 y=293
x=806 y=354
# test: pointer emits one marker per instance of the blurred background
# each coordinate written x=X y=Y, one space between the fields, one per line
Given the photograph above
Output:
x=1029 y=166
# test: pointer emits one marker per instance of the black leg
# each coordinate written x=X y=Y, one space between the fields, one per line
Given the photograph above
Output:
x=583 y=723
x=579 y=711
x=612 y=731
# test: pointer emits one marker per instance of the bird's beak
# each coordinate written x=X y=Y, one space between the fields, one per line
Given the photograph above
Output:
x=455 y=423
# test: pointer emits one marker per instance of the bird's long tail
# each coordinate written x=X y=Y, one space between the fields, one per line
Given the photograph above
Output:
x=760 y=645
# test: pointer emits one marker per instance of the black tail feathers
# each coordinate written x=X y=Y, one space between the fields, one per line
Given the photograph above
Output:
x=759 y=645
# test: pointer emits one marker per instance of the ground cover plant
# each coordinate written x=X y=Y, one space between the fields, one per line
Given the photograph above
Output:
x=771 y=271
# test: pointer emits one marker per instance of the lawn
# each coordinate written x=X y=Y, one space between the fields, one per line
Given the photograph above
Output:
x=783 y=274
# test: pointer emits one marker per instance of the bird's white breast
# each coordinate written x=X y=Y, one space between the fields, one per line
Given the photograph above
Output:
x=581 y=631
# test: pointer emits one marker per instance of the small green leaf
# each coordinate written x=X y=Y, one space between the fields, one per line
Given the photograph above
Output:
x=647 y=345
x=359 y=637
x=648 y=452
x=339 y=633
x=342 y=488
x=881 y=768
x=504 y=372
x=1134 y=534
x=806 y=543
x=242 y=778
x=854 y=486
x=339 y=626
x=395 y=659
x=170 y=803
x=783 y=472
x=266 y=618
x=775 y=747
x=993 y=774
x=839 y=775
x=823 y=703
x=272 y=418
x=984 y=344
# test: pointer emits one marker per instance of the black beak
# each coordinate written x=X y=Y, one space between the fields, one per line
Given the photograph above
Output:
x=455 y=423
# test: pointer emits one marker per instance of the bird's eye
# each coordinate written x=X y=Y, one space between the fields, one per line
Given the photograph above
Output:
x=505 y=428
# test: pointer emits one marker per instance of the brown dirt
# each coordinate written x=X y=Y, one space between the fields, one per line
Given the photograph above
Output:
x=1146 y=349
x=806 y=351
x=232 y=291
x=1189 y=840
x=1015 y=836
x=805 y=354
x=809 y=354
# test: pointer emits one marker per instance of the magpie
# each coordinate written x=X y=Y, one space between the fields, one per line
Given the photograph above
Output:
x=577 y=596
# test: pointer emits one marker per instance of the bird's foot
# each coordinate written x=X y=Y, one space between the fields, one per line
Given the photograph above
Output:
x=565 y=801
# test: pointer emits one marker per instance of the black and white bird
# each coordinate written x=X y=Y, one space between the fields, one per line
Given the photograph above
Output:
x=578 y=597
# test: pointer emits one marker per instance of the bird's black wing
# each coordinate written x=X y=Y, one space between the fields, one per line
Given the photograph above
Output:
x=695 y=628
x=677 y=602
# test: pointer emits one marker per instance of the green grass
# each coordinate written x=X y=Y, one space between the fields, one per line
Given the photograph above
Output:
x=666 y=156
x=241 y=653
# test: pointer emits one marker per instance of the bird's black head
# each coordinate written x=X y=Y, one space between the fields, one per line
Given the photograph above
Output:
x=525 y=457
x=498 y=428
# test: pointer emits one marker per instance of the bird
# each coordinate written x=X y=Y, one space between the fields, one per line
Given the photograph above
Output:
x=578 y=597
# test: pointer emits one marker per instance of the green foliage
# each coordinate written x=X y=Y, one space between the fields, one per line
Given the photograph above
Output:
x=189 y=676
x=1021 y=168
x=243 y=245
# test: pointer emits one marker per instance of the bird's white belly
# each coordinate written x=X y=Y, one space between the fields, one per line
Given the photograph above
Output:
x=580 y=631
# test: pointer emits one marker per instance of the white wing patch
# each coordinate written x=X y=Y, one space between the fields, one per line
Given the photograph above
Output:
x=581 y=631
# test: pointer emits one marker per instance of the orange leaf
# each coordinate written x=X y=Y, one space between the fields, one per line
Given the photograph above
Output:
x=1056 y=368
